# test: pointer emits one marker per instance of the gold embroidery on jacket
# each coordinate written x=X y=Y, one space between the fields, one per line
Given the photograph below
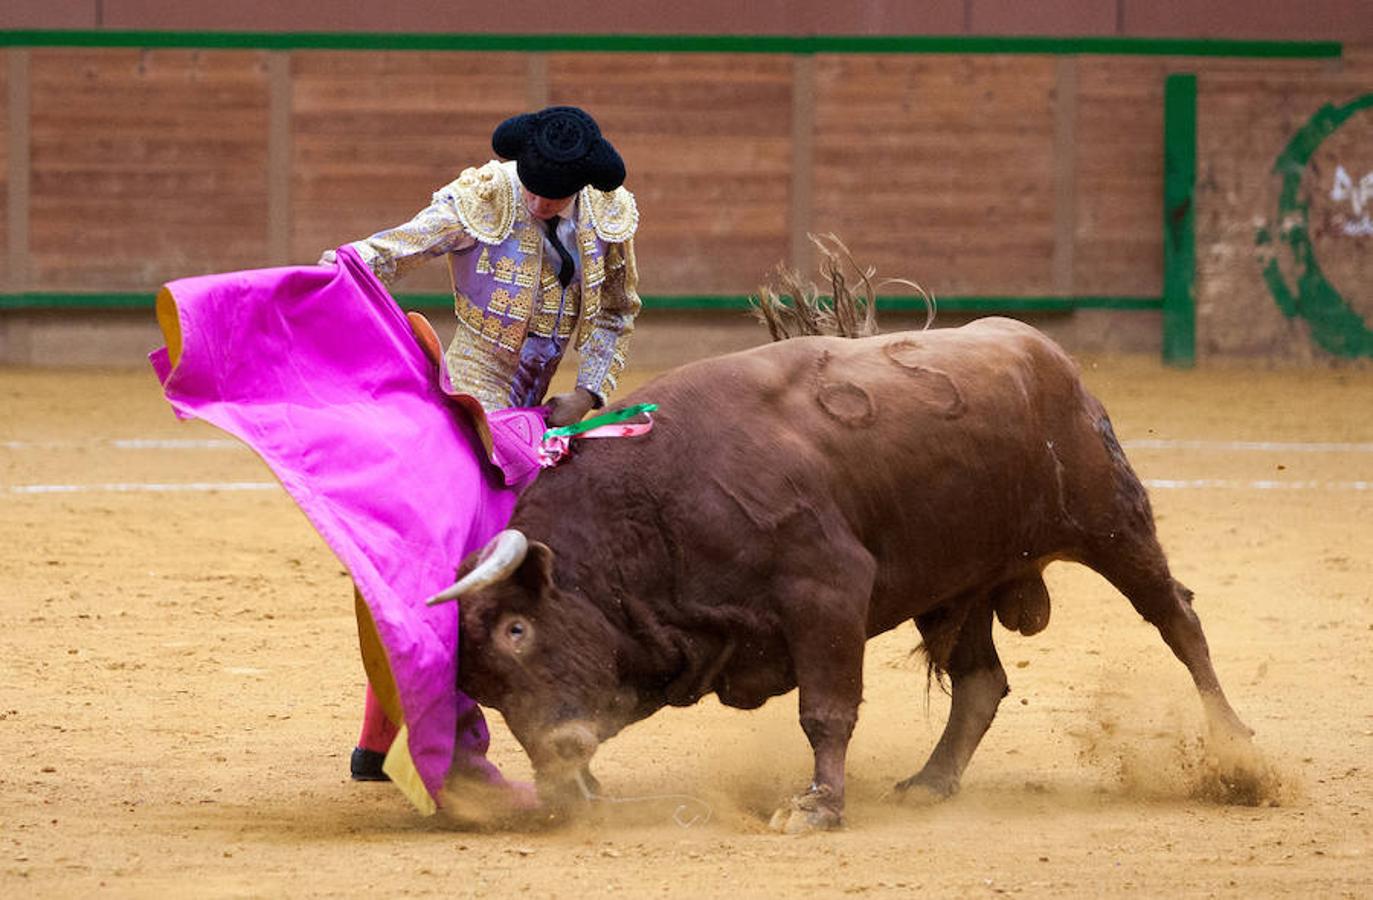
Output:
x=500 y=301
x=586 y=237
x=484 y=261
x=542 y=323
x=591 y=301
x=530 y=239
x=505 y=270
x=552 y=298
x=469 y=315
x=512 y=336
x=594 y=270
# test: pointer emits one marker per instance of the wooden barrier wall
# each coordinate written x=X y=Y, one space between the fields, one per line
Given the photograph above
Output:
x=145 y=165
x=1007 y=175
x=952 y=170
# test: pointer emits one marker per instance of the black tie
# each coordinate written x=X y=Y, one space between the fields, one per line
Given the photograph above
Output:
x=568 y=267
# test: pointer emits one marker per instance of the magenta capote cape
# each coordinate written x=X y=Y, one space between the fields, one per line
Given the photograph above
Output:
x=316 y=369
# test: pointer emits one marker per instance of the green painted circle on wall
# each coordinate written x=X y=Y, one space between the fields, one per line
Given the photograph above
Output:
x=1335 y=326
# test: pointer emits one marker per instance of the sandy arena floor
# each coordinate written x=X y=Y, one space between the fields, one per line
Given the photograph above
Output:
x=181 y=687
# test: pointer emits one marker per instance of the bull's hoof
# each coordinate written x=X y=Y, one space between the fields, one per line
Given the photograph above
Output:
x=815 y=810
x=925 y=790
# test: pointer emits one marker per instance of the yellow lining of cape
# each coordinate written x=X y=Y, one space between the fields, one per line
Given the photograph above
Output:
x=170 y=323
x=401 y=768
x=398 y=764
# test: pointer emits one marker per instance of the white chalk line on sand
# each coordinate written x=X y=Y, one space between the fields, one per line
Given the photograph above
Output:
x=1164 y=484
x=192 y=487
x=129 y=444
x=1260 y=446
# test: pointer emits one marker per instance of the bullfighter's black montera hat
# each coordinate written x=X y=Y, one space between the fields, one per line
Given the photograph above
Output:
x=558 y=151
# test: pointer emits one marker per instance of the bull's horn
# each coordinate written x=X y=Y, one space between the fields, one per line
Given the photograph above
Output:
x=500 y=557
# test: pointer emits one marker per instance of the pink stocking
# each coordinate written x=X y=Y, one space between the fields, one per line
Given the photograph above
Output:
x=377 y=730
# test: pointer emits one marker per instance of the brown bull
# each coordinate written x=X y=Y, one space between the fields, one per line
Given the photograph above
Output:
x=791 y=502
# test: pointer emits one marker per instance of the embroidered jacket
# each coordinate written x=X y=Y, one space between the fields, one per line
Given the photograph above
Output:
x=515 y=318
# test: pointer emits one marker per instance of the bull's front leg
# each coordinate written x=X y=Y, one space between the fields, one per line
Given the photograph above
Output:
x=828 y=657
x=820 y=807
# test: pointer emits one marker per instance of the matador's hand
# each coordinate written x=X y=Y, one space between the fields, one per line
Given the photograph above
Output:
x=564 y=409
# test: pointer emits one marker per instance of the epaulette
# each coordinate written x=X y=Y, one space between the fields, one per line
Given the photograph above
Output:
x=614 y=214
x=485 y=199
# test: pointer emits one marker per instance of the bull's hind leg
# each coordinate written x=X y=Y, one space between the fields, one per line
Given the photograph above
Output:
x=978 y=685
x=1138 y=569
x=1121 y=544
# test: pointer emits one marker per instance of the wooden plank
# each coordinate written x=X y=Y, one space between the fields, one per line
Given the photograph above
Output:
x=279 y=160
x=147 y=166
x=707 y=144
x=1119 y=176
x=1340 y=20
x=1065 y=174
x=47 y=14
x=701 y=17
x=16 y=168
x=536 y=81
x=374 y=135
x=7 y=279
x=939 y=169
x=1047 y=17
x=802 y=254
x=16 y=338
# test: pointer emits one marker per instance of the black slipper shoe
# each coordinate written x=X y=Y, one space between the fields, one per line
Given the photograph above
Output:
x=366 y=765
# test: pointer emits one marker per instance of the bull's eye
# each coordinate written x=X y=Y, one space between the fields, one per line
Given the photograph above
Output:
x=516 y=634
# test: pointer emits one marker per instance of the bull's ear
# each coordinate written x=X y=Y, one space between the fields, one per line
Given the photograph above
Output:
x=536 y=571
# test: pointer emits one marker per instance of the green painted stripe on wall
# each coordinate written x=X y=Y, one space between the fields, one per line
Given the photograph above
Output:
x=686 y=43
x=52 y=301
x=1179 y=220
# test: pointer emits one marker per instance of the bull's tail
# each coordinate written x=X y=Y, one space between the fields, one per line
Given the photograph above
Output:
x=794 y=307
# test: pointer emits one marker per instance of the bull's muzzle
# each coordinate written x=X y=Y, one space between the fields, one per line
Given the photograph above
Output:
x=566 y=748
x=561 y=759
